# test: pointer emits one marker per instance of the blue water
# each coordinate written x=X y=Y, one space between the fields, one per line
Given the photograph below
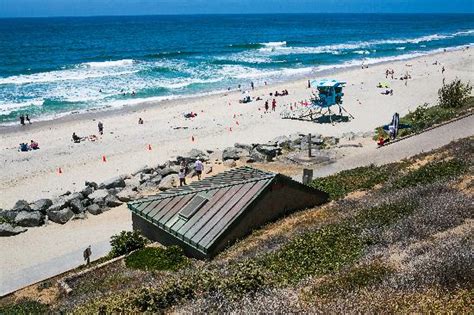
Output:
x=58 y=65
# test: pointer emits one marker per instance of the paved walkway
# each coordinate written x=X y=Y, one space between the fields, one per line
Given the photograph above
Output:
x=424 y=142
x=46 y=251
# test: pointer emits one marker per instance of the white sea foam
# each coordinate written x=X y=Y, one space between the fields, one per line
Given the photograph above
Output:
x=108 y=64
x=362 y=52
x=274 y=44
x=7 y=108
x=401 y=48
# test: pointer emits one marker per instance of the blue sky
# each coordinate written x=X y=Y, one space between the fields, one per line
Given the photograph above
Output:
x=21 y=8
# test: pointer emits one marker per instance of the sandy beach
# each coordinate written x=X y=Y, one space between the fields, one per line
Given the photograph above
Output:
x=34 y=174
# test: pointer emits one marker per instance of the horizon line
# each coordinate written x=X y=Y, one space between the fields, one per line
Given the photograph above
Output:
x=209 y=14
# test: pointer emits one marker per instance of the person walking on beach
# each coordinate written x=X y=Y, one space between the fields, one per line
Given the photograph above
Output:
x=182 y=177
x=252 y=85
x=266 y=106
x=309 y=84
x=22 y=119
x=274 y=105
x=87 y=255
x=100 y=125
x=442 y=70
x=28 y=119
x=198 y=167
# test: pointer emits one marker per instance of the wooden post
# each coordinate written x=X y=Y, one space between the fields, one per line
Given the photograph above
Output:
x=309 y=145
x=307 y=176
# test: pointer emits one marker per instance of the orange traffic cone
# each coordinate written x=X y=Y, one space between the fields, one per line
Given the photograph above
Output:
x=104 y=159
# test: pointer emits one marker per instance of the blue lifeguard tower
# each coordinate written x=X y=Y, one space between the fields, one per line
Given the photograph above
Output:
x=327 y=93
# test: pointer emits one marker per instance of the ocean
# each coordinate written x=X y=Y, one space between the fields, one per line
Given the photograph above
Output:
x=54 y=66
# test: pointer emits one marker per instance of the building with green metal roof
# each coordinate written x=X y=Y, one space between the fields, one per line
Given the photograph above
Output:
x=208 y=215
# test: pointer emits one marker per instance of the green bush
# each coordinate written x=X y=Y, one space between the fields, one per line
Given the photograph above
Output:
x=431 y=172
x=361 y=178
x=384 y=215
x=454 y=94
x=26 y=307
x=154 y=258
x=315 y=253
x=126 y=242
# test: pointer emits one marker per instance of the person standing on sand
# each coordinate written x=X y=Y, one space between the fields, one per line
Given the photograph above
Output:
x=309 y=84
x=100 y=125
x=266 y=106
x=22 y=119
x=182 y=177
x=252 y=85
x=274 y=105
x=442 y=70
x=198 y=167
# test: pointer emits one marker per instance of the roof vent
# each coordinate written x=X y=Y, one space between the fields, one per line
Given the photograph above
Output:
x=193 y=206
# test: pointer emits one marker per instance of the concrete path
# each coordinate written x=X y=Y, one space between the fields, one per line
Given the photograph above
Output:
x=46 y=251
x=427 y=141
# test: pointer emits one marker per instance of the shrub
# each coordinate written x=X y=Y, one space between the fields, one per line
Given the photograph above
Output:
x=315 y=253
x=154 y=258
x=454 y=94
x=361 y=178
x=126 y=242
x=247 y=276
x=25 y=306
x=384 y=215
x=431 y=172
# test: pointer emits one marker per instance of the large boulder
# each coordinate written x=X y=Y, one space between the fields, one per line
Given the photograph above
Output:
x=113 y=183
x=29 y=218
x=21 y=205
x=6 y=229
x=126 y=195
x=143 y=170
x=41 y=205
x=232 y=153
x=194 y=155
x=76 y=206
x=169 y=182
x=112 y=201
x=87 y=191
x=256 y=156
x=268 y=150
x=60 y=216
x=167 y=171
x=282 y=142
x=57 y=205
x=92 y=184
x=99 y=195
x=94 y=209
x=243 y=146
x=9 y=215
x=133 y=182
x=73 y=196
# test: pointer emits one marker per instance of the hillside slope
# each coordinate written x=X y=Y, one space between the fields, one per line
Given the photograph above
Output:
x=395 y=238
